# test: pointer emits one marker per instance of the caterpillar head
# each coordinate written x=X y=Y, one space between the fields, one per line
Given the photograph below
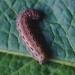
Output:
x=33 y=14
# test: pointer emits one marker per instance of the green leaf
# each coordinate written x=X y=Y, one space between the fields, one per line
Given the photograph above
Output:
x=58 y=27
x=15 y=65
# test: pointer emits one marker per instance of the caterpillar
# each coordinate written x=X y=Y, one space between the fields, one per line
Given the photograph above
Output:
x=24 y=24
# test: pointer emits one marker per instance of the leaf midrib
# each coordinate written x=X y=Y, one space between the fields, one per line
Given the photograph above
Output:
x=25 y=54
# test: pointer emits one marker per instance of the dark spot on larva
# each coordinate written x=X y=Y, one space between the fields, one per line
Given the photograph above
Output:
x=34 y=39
x=23 y=37
x=19 y=30
x=18 y=24
x=31 y=48
x=36 y=54
x=27 y=43
x=31 y=33
x=37 y=45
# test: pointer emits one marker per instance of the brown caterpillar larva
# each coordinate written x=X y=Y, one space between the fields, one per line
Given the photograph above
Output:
x=24 y=22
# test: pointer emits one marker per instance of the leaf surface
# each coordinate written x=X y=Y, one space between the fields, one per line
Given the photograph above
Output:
x=15 y=65
x=58 y=27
